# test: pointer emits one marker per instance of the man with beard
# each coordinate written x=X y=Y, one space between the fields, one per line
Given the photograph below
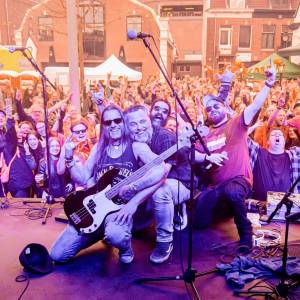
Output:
x=231 y=180
x=114 y=150
x=159 y=113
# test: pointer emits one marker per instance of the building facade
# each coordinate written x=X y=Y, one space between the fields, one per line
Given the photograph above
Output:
x=246 y=30
x=102 y=31
x=192 y=35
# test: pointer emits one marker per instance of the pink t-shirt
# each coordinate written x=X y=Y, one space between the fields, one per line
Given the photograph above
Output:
x=231 y=138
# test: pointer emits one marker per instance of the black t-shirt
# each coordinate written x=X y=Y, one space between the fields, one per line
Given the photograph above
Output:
x=163 y=139
x=272 y=172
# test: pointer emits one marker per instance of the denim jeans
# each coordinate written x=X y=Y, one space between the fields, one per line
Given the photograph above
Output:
x=232 y=193
x=69 y=243
x=171 y=193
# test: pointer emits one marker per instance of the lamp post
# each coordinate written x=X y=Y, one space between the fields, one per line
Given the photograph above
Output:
x=280 y=69
x=241 y=73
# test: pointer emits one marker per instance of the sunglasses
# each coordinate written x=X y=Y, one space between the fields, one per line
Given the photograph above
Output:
x=79 y=131
x=109 y=122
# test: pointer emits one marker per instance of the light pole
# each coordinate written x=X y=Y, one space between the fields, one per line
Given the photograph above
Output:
x=241 y=74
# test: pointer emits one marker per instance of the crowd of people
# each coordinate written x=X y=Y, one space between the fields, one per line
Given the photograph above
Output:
x=252 y=147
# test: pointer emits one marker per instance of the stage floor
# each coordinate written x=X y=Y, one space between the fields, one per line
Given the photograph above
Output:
x=96 y=273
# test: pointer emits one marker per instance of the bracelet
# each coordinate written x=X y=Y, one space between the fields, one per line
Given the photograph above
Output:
x=268 y=84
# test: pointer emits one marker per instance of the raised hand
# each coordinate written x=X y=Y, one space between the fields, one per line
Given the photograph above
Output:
x=271 y=73
x=226 y=77
x=69 y=146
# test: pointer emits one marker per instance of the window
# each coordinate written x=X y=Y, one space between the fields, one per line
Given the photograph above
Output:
x=280 y=4
x=134 y=23
x=245 y=37
x=45 y=25
x=286 y=36
x=92 y=17
x=181 y=10
x=225 y=37
x=237 y=4
x=267 y=38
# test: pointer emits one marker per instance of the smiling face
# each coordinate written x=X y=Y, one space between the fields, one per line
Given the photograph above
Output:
x=159 y=113
x=54 y=147
x=139 y=125
x=113 y=124
x=215 y=111
x=80 y=132
x=33 y=141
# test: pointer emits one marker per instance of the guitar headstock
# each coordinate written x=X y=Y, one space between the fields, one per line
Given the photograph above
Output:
x=184 y=136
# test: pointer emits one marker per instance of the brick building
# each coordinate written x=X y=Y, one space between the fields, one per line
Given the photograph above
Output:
x=246 y=30
x=190 y=34
x=102 y=27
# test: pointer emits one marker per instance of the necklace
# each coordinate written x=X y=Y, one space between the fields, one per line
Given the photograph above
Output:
x=116 y=147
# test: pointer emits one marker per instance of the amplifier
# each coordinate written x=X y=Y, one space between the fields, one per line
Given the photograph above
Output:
x=273 y=198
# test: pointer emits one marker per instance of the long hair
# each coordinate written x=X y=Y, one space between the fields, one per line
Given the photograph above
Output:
x=104 y=140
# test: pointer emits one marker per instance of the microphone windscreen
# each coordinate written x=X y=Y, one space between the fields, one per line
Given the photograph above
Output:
x=132 y=34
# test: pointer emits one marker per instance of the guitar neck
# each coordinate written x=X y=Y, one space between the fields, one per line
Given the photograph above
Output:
x=141 y=171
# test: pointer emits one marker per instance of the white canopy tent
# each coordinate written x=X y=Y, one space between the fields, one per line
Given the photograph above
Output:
x=114 y=66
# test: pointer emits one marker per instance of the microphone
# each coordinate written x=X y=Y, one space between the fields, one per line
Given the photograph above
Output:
x=14 y=49
x=132 y=34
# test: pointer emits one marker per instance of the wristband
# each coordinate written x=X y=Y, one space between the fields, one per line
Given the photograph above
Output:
x=269 y=85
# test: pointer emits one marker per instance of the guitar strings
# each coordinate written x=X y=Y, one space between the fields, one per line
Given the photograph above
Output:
x=83 y=212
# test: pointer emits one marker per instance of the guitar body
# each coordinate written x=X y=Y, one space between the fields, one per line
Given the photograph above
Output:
x=87 y=209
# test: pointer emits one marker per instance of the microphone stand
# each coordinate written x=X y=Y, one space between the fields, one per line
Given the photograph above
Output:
x=189 y=276
x=282 y=289
x=49 y=199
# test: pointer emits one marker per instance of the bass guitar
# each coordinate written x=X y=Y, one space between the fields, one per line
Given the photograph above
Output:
x=87 y=209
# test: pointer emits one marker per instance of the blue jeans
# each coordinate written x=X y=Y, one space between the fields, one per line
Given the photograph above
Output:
x=231 y=193
x=171 y=193
x=69 y=243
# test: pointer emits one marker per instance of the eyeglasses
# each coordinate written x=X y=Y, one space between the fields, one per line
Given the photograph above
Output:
x=215 y=106
x=109 y=122
x=79 y=131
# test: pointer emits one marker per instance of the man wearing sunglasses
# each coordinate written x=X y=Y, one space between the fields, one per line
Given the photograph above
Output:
x=113 y=151
x=230 y=178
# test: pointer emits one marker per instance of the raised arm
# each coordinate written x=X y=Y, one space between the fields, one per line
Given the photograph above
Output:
x=80 y=173
x=260 y=98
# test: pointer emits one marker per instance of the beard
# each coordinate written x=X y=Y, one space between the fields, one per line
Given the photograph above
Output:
x=217 y=118
x=157 y=120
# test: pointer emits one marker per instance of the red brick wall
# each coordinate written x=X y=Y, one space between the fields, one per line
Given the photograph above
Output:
x=115 y=32
x=257 y=29
x=187 y=35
